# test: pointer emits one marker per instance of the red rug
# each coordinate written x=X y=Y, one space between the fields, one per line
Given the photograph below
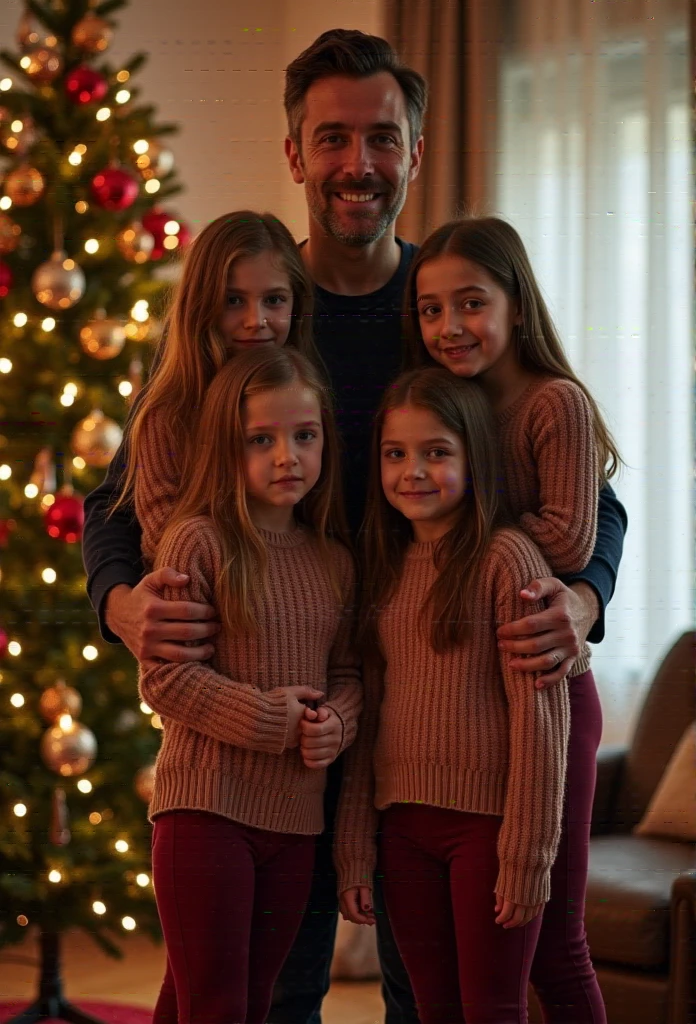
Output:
x=111 y=1013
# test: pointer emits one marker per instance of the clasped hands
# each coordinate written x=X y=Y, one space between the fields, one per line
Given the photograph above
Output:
x=318 y=733
x=356 y=906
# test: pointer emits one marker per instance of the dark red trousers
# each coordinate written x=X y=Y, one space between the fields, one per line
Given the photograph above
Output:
x=231 y=900
x=439 y=871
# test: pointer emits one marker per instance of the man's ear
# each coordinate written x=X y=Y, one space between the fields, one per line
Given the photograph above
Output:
x=416 y=157
x=292 y=154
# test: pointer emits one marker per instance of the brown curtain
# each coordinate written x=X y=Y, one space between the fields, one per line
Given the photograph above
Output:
x=452 y=43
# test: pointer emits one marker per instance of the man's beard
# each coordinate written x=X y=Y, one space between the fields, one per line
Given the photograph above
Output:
x=321 y=209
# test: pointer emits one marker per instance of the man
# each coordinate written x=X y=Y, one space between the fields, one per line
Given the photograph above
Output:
x=355 y=143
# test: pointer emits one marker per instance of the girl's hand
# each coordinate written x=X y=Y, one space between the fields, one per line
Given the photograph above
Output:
x=356 y=905
x=321 y=734
x=514 y=915
x=296 y=710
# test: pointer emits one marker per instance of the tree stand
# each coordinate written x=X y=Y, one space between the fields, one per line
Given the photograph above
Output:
x=51 y=1002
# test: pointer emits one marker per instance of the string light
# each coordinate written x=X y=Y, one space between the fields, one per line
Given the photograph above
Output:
x=121 y=846
x=103 y=114
x=144 y=708
x=128 y=923
x=66 y=400
x=54 y=876
x=123 y=76
x=48 y=323
x=49 y=576
x=14 y=648
x=5 y=84
x=25 y=62
x=65 y=722
x=95 y=818
x=75 y=158
x=70 y=388
x=22 y=920
x=125 y=388
x=122 y=96
x=156 y=722
x=5 y=203
x=20 y=319
x=17 y=126
x=98 y=907
x=172 y=227
x=141 y=311
x=141 y=146
x=142 y=879
x=81 y=206
x=20 y=810
x=48 y=500
x=17 y=700
x=152 y=186
x=31 y=491
x=84 y=786
x=92 y=245
x=78 y=462
x=89 y=653
x=5 y=365
x=5 y=472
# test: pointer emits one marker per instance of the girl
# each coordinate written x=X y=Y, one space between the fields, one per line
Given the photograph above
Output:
x=235 y=807
x=474 y=307
x=469 y=758
x=243 y=284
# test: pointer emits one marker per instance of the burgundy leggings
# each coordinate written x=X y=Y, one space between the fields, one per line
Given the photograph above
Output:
x=439 y=871
x=230 y=899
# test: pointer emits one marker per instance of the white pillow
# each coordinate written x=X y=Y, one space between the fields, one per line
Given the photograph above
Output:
x=671 y=813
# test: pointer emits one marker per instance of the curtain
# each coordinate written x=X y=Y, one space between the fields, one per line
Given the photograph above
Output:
x=593 y=169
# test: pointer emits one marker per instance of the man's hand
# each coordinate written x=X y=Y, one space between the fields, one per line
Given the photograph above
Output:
x=356 y=905
x=321 y=734
x=151 y=627
x=551 y=640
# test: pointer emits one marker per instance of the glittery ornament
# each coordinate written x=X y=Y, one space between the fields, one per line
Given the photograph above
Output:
x=96 y=439
x=24 y=185
x=58 y=700
x=135 y=243
x=68 y=749
x=92 y=34
x=59 y=282
x=41 y=63
x=83 y=85
x=103 y=337
x=114 y=189
x=65 y=518
x=9 y=234
x=6 y=278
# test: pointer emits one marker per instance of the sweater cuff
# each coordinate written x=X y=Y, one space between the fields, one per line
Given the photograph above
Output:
x=355 y=873
x=523 y=885
x=98 y=587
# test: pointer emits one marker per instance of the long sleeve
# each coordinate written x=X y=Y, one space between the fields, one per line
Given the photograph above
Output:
x=355 y=844
x=157 y=482
x=344 y=685
x=565 y=453
x=539 y=722
x=602 y=569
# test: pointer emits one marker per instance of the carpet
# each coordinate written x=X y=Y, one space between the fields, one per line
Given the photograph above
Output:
x=110 y=1013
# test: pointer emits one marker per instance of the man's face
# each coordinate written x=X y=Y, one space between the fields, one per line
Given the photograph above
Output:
x=356 y=159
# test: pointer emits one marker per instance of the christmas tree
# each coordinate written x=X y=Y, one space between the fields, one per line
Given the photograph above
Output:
x=83 y=231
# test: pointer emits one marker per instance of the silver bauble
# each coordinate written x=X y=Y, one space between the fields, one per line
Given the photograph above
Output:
x=70 y=750
x=58 y=283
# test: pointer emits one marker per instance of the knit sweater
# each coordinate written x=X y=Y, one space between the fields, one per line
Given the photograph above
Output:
x=157 y=461
x=223 y=747
x=551 y=475
x=459 y=729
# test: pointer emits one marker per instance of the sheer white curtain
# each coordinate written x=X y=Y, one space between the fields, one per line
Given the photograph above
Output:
x=593 y=170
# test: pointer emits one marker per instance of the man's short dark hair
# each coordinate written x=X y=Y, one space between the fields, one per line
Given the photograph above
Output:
x=342 y=51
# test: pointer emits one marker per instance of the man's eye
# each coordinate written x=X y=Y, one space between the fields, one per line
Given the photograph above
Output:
x=331 y=139
x=385 y=140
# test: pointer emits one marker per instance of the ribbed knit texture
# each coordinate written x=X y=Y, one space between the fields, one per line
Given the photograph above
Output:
x=157 y=461
x=550 y=467
x=225 y=720
x=461 y=729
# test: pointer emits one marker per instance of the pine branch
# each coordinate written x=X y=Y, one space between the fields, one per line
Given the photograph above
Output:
x=43 y=13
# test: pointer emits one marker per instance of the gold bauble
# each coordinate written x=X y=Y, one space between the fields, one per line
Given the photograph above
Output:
x=145 y=783
x=157 y=162
x=96 y=439
x=42 y=63
x=58 y=700
x=24 y=185
x=135 y=243
x=9 y=234
x=92 y=34
x=103 y=337
x=58 y=283
x=70 y=750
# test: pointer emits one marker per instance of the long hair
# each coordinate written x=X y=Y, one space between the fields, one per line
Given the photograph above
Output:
x=495 y=246
x=192 y=350
x=464 y=409
x=215 y=486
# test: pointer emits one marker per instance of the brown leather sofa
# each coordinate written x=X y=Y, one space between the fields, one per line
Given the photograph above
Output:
x=641 y=895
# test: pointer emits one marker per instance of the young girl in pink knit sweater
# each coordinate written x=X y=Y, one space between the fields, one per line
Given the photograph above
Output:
x=257 y=530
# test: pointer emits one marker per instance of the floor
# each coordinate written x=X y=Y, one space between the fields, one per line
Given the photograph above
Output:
x=89 y=974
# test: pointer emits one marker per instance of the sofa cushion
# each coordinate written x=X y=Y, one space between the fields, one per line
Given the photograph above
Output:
x=671 y=813
x=628 y=898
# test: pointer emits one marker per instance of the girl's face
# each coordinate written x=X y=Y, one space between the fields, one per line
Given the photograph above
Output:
x=424 y=469
x=283 y=440
x=466 y=318
x=258 y=304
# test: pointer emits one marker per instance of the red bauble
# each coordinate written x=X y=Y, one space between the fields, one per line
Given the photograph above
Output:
x=65 y=518
x=154 y=222
x=4 y=642
x=114 y=189
x=5 y=279
x=85 y=86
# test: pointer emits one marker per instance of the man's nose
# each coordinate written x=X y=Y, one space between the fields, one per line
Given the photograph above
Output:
x=358 y=160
